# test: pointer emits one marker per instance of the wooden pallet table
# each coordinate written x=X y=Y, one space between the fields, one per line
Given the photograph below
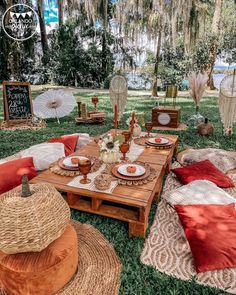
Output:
x=131 y=204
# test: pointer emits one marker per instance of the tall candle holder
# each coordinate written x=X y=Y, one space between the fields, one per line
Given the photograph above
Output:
x=78 y=100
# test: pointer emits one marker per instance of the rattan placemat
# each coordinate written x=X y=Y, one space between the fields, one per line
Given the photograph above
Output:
x=58 y=170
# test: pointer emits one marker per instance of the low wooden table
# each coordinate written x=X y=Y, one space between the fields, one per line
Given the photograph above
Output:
x=127 y=203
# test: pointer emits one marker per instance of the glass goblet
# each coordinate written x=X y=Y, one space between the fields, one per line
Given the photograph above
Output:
x=148 y=127
x=124 y=148
x=95 y=102
x=85 y=168
x=127 y=135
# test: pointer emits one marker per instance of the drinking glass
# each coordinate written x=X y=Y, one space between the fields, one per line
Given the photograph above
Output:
x=95 y=102
x=148 y=127
x=85 y=168
x=127 y=135
x=124 y=148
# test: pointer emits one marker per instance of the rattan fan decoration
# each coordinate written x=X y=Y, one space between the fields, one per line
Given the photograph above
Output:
x=29 y=223
x=118 y=93
x=227 y=102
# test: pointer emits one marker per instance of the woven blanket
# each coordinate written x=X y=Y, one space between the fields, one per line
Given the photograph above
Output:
x=167 y=248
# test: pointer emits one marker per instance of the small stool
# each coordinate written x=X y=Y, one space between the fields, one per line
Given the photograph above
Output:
x=41 y=273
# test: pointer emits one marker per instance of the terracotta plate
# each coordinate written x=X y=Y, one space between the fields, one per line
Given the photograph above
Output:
x=63 y=166
x=118 y=175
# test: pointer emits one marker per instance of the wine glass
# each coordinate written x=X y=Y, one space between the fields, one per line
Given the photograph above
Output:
x=85 y=168
x=148 y=127
x=127 y=135
x=95 y=102
x=124 y=148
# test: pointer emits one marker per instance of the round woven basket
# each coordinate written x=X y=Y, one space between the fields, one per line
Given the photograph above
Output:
x=31 y=224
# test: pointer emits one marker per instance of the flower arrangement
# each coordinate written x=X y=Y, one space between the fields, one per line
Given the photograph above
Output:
x=109 y=144
x=109 y=147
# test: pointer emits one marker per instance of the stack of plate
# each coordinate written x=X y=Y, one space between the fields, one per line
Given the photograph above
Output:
x=120 y=171
x=161 y=141
x=67 y=164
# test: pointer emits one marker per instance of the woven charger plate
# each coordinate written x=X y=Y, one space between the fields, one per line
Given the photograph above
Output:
x=143 y=141
x=55 y=168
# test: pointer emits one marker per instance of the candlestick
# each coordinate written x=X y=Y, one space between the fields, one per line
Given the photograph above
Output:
x=79 y=108
x=116 y=116
x=132 y=122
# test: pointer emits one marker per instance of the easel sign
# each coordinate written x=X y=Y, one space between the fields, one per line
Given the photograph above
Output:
x=17 y=100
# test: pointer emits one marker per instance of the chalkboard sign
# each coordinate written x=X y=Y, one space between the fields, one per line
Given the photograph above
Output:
x=17 y=101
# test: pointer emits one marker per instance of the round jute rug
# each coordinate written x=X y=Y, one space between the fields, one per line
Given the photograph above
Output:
x=99 y=267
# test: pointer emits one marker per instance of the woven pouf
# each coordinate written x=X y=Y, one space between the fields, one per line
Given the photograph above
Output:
x=30 y=224
x=41 y=273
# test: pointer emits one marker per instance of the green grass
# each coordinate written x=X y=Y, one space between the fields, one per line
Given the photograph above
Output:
x=136 y=279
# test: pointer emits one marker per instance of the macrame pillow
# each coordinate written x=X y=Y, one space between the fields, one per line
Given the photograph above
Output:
x=199 y=192
x=223 y=160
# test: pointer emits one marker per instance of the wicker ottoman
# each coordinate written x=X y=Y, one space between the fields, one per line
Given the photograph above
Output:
x=41 y=273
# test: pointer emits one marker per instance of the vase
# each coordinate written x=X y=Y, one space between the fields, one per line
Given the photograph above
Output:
x=137 y=131
x=109 y=157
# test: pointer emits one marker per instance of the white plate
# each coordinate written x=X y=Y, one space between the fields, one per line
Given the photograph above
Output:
x=163 y=141
x=140 y=170
x=67 y=161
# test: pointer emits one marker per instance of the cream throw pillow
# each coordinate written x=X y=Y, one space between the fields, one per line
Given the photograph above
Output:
x=223 y=160
x=44 y=154
x=199 y=192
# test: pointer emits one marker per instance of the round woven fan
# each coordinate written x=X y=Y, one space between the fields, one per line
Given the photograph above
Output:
x=118 y=93
x=227 y=102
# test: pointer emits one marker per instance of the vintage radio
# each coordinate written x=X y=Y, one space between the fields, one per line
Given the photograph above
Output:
x=166 y=116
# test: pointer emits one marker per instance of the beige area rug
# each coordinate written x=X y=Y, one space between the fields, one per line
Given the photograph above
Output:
x=168 y=251
x=99 y=267
x=181 y=127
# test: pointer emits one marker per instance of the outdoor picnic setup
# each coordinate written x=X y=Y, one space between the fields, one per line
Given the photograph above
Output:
x=117 y=147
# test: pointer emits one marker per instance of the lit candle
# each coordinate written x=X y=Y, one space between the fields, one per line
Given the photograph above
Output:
x=132 y=122
x=116 y=116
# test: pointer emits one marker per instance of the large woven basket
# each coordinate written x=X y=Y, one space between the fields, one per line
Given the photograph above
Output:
x=31 y=224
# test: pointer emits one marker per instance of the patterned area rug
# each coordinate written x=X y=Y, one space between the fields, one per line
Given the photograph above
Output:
x=168 y=251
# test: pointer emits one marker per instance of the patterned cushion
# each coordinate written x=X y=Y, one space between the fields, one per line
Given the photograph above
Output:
x=223 y=160
x=199 y=192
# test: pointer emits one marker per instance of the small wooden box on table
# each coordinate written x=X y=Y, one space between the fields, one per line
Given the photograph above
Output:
x=127 y=203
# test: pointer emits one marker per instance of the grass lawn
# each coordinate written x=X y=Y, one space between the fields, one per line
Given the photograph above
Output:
x=137 y=279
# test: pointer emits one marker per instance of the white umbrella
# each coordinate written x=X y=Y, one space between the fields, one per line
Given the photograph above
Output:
x=54 y=104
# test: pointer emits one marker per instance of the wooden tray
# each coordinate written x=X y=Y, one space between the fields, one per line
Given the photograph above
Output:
x=115 y=172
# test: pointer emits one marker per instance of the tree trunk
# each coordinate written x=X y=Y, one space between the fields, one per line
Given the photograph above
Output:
x=43 y=33
x=173 y=24
x=60 y=12
x=104 y=38
x=214 y=46
x=157 y=60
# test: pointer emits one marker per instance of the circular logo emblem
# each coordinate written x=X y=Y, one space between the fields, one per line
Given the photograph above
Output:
x=164 y=119
x=20 y=22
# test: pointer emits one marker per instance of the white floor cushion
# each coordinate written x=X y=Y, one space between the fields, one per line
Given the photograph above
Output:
x=44 y=154
x=199 y=192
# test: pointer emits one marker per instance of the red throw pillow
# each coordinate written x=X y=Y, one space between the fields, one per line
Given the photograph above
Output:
x=210 y=231
x=69 y=141
x=11 y=173
x=203 y=170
